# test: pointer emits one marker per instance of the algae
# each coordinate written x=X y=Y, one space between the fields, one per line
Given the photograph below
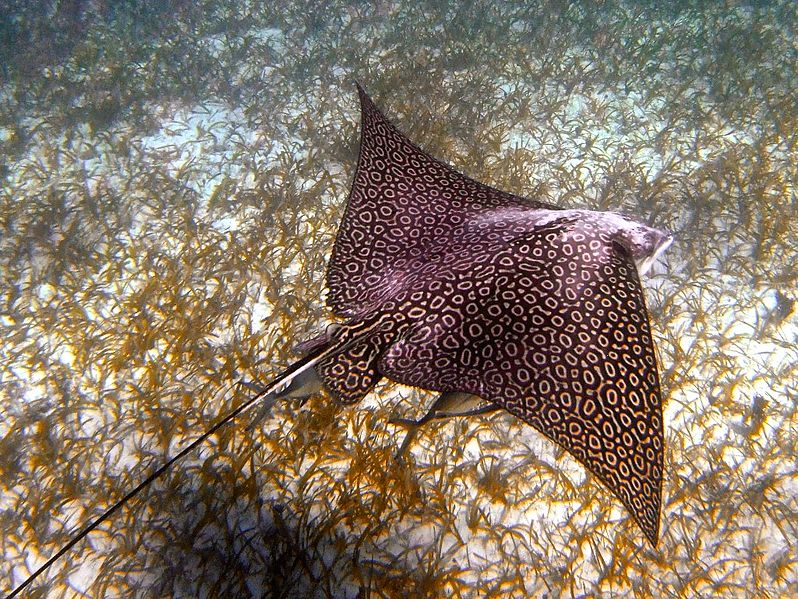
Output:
x=173 y=174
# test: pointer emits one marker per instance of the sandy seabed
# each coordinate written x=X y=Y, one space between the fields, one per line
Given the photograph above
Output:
x=173 y=176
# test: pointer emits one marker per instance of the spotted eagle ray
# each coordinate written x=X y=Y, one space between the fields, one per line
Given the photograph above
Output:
x=494 y=301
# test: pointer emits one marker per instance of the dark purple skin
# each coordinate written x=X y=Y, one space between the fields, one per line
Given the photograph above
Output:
x=450 y=285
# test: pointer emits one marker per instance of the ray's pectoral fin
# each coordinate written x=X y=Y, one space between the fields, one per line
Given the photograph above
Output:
x=447 y=405
x=570 y=354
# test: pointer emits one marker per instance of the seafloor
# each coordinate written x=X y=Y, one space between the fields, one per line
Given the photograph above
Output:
x=172 y=177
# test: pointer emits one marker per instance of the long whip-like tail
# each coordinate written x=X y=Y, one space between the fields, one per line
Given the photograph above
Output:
x=283 y=379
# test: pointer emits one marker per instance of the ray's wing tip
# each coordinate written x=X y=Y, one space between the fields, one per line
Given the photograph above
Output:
x=650 y=529
x=653 y=536
x=365 y=99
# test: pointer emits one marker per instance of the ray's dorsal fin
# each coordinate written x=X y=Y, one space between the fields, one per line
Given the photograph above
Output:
x=401 y=200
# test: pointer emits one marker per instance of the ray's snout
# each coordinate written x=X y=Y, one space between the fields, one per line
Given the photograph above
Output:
x=656 y=242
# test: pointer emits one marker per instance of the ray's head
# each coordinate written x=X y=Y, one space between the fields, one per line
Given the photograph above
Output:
x=644 y=243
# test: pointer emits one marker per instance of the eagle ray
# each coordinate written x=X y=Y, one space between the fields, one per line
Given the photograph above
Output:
x=533 y=308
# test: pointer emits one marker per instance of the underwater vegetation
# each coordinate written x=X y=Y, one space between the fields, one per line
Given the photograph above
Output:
x=171 y=184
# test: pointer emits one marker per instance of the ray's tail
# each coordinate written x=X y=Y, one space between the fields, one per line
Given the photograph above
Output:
x=298 y=374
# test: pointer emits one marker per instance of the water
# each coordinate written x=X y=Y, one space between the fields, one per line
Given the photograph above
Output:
x=173 y=179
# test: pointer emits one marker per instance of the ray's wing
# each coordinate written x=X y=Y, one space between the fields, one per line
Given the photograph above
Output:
x=553 y=327
x=401 y=200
